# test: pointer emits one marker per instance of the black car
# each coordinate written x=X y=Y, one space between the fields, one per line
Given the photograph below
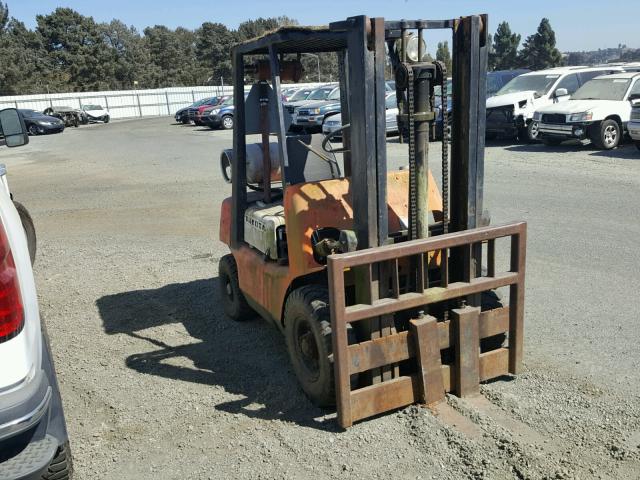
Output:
x=38 y=123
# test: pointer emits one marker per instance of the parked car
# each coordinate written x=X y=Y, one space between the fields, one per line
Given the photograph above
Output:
x=634 y=123
x=310 y=115
x=333 y=122
x=510 y=110
x=307 y=95
x=182 y=115
x=599 y=111
x=204 y=103
x=34 y=443
x=38 y=123
x=72 y=117
x=220 y=116
x=95 y=113
x=499 y=78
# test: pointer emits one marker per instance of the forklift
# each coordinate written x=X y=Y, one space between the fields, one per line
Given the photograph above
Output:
x=382 y=283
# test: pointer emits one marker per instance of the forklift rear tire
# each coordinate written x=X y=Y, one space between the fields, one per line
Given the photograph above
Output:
x=233 y=301
x=308 y=335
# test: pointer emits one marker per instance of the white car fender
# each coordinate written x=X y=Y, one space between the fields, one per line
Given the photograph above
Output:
x=21 y=356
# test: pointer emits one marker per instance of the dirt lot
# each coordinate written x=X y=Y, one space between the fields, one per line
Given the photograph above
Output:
x=157 y=384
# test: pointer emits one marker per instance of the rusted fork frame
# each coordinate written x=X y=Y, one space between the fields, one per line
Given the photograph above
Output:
x=405 y=390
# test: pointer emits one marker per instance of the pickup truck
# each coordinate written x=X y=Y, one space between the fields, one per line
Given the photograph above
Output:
x=510 y=111
x=34 y=444
x=599 y=111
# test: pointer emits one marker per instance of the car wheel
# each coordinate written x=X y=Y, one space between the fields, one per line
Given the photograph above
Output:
x=185 y=121
x=637 y=142
x=227 y=122
x=607 y=136
x=106 y=119
x=33 y=130
x=29 y=229
x=529 y=133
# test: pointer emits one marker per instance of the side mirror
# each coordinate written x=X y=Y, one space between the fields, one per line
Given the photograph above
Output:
x=634 y=97
x=561 y=92
x=13 y=128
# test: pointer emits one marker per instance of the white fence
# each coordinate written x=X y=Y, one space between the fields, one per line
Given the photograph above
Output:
x=124 y=103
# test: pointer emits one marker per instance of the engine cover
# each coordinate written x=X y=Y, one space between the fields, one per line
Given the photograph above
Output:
x=264 y=229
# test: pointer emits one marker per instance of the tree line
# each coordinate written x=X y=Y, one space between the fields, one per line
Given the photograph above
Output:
x=68 y=51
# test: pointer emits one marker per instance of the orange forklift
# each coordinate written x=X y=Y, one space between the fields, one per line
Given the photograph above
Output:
x=382 y=283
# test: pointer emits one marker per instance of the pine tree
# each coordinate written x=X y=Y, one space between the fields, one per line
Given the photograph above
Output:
x=443 y=54
x=539 y=50
x=504 y=51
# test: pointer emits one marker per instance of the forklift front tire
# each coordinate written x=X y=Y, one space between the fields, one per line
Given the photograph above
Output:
x=308 y=335
x=233 y=301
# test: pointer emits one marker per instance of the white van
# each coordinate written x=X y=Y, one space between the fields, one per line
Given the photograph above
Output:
x=510 y=111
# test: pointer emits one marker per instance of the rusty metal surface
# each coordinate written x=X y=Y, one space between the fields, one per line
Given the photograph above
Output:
x=465 y=325
x=425 y=333
x=469 y=366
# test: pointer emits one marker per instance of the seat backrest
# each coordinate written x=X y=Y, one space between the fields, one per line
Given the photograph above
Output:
x=305 y=165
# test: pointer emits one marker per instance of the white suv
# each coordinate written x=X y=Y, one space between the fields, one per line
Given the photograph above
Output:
x=34 y=444
x=510 y=111
x=634 y=122
x=599 y=110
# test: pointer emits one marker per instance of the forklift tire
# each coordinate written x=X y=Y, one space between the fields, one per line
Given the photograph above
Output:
x=61 y=467
x=233 y=301
x=490 y=300
x=308 y=335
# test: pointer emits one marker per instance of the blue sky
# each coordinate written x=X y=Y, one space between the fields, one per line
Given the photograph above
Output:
x=583 y=25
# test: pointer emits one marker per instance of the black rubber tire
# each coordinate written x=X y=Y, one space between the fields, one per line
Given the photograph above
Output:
x=227 y=126
x=637 y=142
x=307 y=308
x=551 y=142
x=185 y=121
x=106 y=119
x=599 y=133
x=233 y=301
x=529 y=133
x=489 y=301
x=29 y=230
x=33 y=130
x=61 y=467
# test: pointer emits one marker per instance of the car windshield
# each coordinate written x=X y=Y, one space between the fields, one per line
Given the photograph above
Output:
x=92 y=107
x=29 y=113
x=320 y=94
x=227 y=101
x=540 y=84
x=602 y=89
x=335 y=95
x=300 y=95
x=494 y=83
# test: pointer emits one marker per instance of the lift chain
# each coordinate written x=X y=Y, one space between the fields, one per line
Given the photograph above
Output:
x=413 y=214
x=444 y=107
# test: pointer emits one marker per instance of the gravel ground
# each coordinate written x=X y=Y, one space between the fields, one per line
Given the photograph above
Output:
x=158 y=384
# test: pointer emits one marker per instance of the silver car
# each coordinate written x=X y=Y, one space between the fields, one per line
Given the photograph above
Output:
x=334 y=122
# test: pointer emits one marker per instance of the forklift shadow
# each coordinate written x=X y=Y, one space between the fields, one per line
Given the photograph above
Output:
x=244 y=359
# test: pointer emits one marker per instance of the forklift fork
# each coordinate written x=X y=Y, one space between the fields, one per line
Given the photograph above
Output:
x=424 y=378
